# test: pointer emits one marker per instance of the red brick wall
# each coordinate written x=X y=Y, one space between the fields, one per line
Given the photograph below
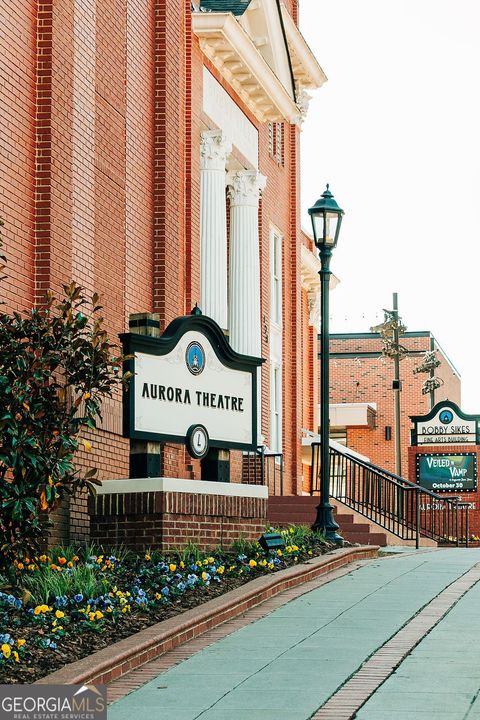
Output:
x=362 y=379
x=17 y=156
x=310 y=370
x=100 y=131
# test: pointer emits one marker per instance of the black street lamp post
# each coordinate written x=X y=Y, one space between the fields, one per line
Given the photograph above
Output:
x=326 y=221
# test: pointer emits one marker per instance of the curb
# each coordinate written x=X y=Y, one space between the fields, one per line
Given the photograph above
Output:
x=111 y=663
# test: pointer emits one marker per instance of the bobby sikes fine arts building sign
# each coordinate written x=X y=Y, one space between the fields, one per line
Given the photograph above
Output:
x=443 y=456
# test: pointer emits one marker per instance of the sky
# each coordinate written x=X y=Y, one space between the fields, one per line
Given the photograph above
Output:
x=396 y=133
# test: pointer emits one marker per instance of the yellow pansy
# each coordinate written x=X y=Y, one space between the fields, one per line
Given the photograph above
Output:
x=6 y=650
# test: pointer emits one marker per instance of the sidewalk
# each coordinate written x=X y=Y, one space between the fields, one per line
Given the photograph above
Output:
x=288 y=664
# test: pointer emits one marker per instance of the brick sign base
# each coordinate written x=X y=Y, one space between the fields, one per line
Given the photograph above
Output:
x=168 y=520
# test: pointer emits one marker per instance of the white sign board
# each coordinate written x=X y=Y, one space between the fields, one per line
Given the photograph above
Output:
x=446 y=427
x=194 y=379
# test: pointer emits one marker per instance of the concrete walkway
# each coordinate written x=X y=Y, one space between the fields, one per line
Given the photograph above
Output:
x=288 y=664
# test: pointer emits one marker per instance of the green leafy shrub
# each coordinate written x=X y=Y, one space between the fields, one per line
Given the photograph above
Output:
x=56 y=367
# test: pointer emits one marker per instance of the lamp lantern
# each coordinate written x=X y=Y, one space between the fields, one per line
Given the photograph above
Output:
x=326 y=219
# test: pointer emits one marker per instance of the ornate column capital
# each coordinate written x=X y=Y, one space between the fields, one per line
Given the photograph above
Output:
x=215 y=147
x=244 y=187
x=303 y=101
x=314 y=308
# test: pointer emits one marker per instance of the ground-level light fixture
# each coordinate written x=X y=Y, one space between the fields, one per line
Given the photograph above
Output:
x=271 y=541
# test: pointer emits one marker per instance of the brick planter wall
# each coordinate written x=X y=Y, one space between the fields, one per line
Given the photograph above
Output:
x=167 y=520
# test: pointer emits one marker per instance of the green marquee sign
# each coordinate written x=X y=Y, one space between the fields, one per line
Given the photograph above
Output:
x=442 y=472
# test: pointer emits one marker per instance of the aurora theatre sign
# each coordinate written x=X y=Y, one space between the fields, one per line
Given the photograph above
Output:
x=445 y=424
x=190 y=386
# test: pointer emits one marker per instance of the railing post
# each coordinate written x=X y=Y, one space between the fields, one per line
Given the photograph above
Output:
x=456 y=522
x=417 y=518
x=466 y=525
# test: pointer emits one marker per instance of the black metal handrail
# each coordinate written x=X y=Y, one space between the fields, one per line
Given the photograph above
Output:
x=403 y=508
x=264 y=467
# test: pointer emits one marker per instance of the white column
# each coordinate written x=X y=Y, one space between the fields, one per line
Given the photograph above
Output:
x=214 y=150
x=244 y=307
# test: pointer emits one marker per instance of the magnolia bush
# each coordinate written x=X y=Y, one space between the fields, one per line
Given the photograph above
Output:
x=56 y=367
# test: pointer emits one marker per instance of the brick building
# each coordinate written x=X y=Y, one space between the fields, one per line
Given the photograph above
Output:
x=362 y=399
x=150 y=152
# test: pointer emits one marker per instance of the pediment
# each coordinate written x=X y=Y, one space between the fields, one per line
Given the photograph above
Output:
x=262 y=22
x=258 y=49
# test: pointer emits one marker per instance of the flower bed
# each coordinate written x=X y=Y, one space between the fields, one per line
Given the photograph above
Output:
x=69 y=604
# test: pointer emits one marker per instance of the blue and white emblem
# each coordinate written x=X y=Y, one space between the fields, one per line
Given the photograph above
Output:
x=195 y=358
x=446 y=417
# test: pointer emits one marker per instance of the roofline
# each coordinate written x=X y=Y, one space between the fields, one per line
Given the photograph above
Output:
x=367 y=336
x=284 y=33
x=408 y=334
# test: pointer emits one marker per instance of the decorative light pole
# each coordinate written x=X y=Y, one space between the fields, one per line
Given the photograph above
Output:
x=390 y=330
x=326 y=221
x=428 y=365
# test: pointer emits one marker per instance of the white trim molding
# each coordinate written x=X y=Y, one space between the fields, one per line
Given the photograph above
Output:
x=230 y=49
x=306 y=71
x=196 y=487
x=309 y=268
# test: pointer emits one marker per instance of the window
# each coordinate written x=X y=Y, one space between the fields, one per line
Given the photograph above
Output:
x=276 y=409
x=275 y=340
x=276 y=142
x=276 y=277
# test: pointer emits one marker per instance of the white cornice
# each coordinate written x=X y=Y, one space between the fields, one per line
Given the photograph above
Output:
x=307 y=72
x=229 y=48
x=310 y=267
